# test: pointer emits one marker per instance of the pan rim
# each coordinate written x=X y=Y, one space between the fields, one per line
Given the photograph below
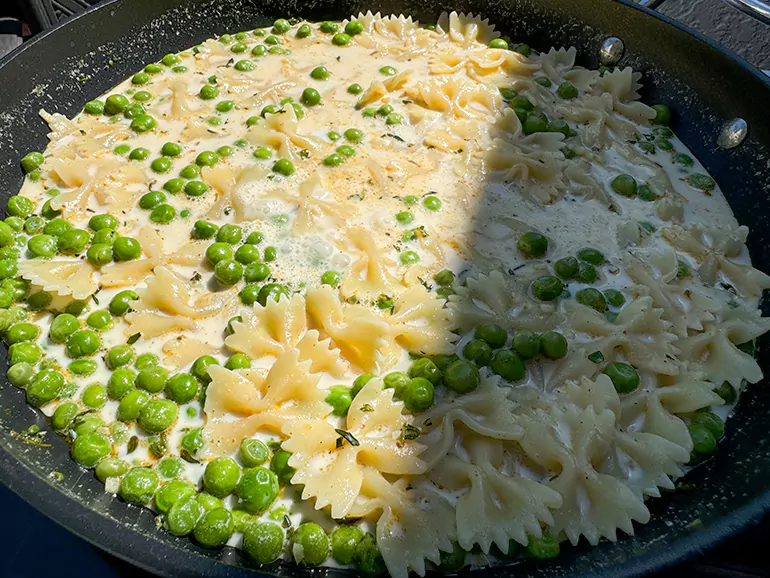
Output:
x=97 y=528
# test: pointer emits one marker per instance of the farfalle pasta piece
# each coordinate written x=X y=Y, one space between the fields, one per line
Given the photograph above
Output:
x=269 y=329
x=465 y=29
x=370 y=271
x=639 y=332
x=487 y=411
x=420 y=323
x=331 y=466
x=61 y=276
x=714 y=248
x=594 y=505
x=412 y=525
x=259 y=399
x=360 y=335
x=494 y=507
x=315 y=204
x=715 y=351
x=183 y=350
x=167 y=293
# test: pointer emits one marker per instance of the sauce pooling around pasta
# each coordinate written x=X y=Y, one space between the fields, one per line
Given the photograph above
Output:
x=379 y=294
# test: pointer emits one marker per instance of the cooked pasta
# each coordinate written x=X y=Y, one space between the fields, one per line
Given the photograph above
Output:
x=379 y=294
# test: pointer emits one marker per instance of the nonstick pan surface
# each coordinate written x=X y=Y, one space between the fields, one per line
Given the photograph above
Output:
x=704 y=85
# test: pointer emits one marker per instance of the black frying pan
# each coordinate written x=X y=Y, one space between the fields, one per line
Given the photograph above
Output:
x=705 y=86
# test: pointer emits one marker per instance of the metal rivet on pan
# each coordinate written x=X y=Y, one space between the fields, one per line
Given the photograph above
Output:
x=732 y=134
x=611 y=50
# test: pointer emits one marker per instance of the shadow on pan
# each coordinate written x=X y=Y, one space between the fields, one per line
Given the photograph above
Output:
x=62 y=69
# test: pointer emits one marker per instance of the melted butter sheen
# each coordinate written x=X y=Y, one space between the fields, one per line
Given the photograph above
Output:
x=425 y=169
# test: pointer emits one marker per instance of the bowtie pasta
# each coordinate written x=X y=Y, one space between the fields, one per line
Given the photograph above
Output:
x=379 y=294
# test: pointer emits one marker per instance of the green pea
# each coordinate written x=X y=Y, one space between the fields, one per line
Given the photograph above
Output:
x=134 y=110
x=283 y=167
x=344 y=541
x=110 y=468
x=244 y=66
x=172 y=492
x=592 y=298
x=586 y=273
x=253 y=453
x=310 y=97
x=340 y=398
x=328 y=27
x=62 y=327
x=204 y=230
x=408 y=257
x=138 y=486
x=82 y=367
x=119 y=305
x=64 y=415
x=272 y=40
x=547 y=288
x=418 y=395
x=142 y=123
x=19 y=206
x=263 y=541
x=553 y=345
x=711 y=421
x=662 y=115
x=272 y=291
x=153 y=379
x=498 y=43
x=169 y=468
x=256 y=272
x=42 y=245
x=181 y=387
x=310 y=545
x=114 y=104
x=461 y=376
x=727 y=392
x=142 y=96
x=614 y=297
x=192 y=442
x=508 y=365
x=221 y=476
x=543 y=81
x=83 y=343
x=94 y=396
x=367 y=558
x=543 y=548
x=341 y=39
x=279 y=465
x=183 y=516
x=94 y=107
x=8 y=268
x=21 y=374
x=131 y=404
x=89 y=448
x=624 y=377
x=99 y=254
x=158 y=415
x=526 y=344
x=257 y=489
x=396 y=381
x=200 y=367
x=355 y=89
x=319 y=73
x=208 y=92
x=346 y=151
x=333 y=160
x=119 y=356
x=228 y=271
x=425 y=368
x=534 y=123
x=478 y=351
x=102 y=221
x=34 y=225
x=230 y=234
x=624 y=185
x=238 y=361
x=22 y=332
x=492 y=333
x=126 y=249
x=567 y=90
x=249 y=294
x=163 y=214
x=703 y=441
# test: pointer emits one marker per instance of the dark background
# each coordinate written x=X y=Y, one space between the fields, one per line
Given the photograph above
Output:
x=34 y=546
